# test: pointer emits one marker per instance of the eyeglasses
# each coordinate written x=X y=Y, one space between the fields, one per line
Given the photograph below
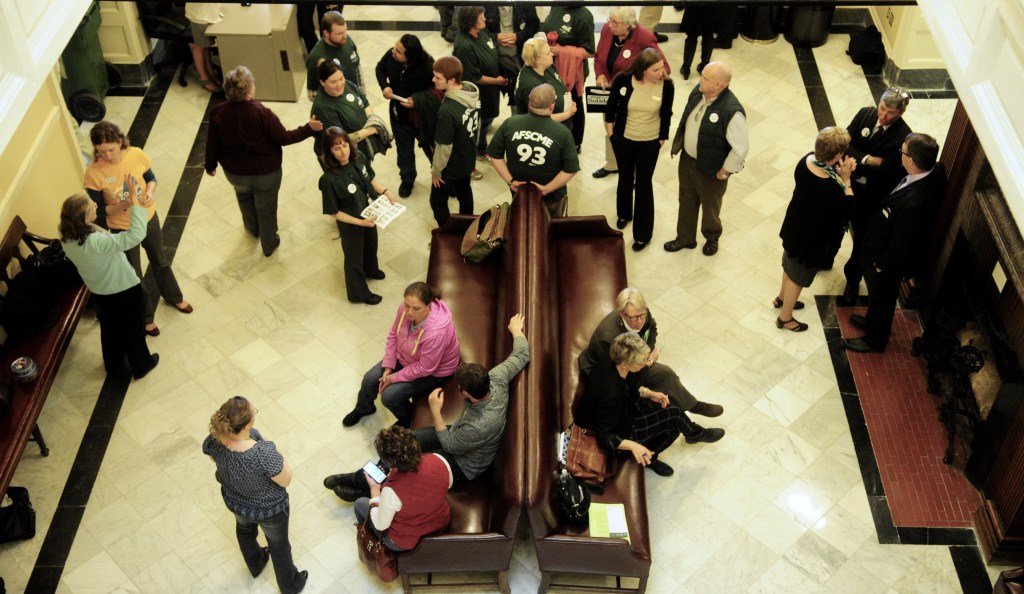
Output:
x=899 y=91
x=904 y=153
x=636 y=318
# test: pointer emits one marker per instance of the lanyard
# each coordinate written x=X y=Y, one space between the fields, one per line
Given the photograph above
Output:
x=415 y=345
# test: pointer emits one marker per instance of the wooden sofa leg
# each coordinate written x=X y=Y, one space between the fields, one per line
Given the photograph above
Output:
x=37 y=436
x=642 y=586
x=503 y=582
x=406 y=583
x=545 y=582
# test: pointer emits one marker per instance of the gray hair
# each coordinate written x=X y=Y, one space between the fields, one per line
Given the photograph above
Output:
x=626 y=13
x=629 y=349
x=897 y=97
x=631 y=296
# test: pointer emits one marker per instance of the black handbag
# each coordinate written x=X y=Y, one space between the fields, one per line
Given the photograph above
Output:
x=18 y=520
x=573 y=499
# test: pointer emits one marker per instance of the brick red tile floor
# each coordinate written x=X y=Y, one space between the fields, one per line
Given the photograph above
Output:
x=906 y=435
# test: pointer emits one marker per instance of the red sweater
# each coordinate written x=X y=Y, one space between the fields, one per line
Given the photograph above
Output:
x=424 y=496
x=245 y=137
x=637 y=41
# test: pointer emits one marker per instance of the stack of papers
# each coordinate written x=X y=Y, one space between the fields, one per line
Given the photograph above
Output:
x=608 y=520
x=383 y=210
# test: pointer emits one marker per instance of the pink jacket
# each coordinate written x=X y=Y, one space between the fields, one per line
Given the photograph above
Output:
x=433 y=350
x=639 y=40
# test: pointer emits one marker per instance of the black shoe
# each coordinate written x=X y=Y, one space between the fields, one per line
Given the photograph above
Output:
x=675 y=246
x=373 y=299
x=264 y=558
x=706 y=409
x=301 y=579
x=156 y=360
x=785 y=325
x=660 y=468
x=778 y=304
x=154 y=332
x=710 y=248
x=379 y=275
x=335 y=480
x=273 y=246
x=639 y=245
x=707 y=435
x=859 y=345
x=849 y=297
x=621 y=224
x=661 y=37
x=347 y=493
x=352 y=418
x=685 y=71
x=859 y=321
x=405 y=190
x=602 y=172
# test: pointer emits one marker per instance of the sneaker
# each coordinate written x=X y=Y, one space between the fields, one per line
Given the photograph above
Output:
x=708 y=435
x=660 y=468
x=405 y=190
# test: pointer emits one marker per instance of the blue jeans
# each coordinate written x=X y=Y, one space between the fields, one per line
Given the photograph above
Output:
x=276 y=531
x=397 y=397
x=362 y=509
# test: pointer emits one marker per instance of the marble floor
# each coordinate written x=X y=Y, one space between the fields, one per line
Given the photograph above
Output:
x=776 y=506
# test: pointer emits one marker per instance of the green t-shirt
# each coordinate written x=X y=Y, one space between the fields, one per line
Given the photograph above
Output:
x=575 y=27
x=345 y=56
x=536 y=148
x=348 y=189
x=479 y=57
x=457 y=125
x=528 y=80
x=347 y=111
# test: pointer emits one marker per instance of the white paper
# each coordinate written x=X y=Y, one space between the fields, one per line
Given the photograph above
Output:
x=383 y=210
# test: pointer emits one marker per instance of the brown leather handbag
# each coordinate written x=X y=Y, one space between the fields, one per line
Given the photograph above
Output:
x=585 y=459
x=373 y=553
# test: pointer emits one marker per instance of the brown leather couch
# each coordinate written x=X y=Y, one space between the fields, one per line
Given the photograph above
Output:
x=486 y=511
x=576 y=268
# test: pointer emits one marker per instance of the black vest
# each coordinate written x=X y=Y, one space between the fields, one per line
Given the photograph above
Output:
x=712 y=146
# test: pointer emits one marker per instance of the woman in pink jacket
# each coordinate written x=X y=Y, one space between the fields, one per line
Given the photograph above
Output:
x=421 y=353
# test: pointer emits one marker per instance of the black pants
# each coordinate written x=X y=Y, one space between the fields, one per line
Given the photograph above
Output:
x=883 y=290
x=439 y=199
x=429 y=443
x=865 y=204
x=636 y=172
x=359 y=246
x=123 y=331
x=654 y=427
x=257 y=200
x=405 y=147
x=166 y=282
x=579 y=119
x=307 y=28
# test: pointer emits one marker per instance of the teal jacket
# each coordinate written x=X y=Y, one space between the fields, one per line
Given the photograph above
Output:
x=101 y=261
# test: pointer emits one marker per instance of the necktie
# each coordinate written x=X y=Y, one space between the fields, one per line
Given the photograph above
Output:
x=875 y=132
x=899 y=186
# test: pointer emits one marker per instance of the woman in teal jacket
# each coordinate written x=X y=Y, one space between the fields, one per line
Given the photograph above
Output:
x=99 y=257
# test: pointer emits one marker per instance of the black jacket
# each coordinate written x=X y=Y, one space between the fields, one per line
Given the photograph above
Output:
x=618 y=105
x=524 y=21
x=404 y=82
x=899 y=227
x=886 y=144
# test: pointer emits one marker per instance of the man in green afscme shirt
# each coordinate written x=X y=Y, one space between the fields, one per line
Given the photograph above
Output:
x=533 y=148
x=336 y=45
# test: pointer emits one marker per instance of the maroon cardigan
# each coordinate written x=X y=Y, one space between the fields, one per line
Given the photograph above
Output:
x=639 y=40
x=245 y=137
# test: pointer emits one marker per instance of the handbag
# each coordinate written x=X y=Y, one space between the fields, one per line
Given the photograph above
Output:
x=373 y=553
x=17 y=520
x=585 y=459
x=486 y=233
x=573 y=499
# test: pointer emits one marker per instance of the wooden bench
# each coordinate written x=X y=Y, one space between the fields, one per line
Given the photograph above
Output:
x=47 y=349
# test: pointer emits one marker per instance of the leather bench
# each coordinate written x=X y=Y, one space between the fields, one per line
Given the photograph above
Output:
x=485 y=511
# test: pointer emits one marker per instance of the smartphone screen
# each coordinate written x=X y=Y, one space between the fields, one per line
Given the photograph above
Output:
x=374 y=472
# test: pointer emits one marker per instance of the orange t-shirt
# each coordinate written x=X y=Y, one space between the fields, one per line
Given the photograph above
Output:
x=112 y=180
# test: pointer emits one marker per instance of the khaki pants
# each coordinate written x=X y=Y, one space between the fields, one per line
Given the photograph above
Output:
x=696 y=191
x=650 y=16
x=610 y=162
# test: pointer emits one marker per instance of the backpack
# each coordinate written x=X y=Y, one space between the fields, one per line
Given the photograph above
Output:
x=29 y=307
x=573 y=499
x=486 y=234
x=867 y=50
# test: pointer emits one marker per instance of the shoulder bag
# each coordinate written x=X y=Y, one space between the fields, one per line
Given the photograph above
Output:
x=373 y=553
x=585 y=459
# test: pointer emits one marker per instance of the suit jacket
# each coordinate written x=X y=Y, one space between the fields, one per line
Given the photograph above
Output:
x=610 y=327
x=886 y=144
x=898 y=228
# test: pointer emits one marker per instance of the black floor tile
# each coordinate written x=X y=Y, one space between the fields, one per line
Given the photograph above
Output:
x=59 y=537
x=971 y=570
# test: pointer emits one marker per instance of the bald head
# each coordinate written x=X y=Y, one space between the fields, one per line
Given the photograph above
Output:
x=715 y=77
x=542 y=99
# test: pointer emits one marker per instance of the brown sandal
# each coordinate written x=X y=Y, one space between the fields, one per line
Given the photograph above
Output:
x=784 y=325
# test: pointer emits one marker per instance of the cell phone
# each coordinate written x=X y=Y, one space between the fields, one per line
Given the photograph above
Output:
x=374 y=472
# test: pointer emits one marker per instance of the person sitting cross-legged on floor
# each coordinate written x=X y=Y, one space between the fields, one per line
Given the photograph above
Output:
x=632 y=315
x=471 y=442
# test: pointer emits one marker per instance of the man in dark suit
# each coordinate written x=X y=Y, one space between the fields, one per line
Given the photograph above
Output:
x=876 y=135
x=893 y=240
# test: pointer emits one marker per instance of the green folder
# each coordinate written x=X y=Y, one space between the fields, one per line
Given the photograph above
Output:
x=608 y=520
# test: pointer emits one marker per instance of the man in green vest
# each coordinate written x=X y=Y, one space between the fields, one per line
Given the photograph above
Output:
x=712 y=137
x=539 y=150
x=337 y=46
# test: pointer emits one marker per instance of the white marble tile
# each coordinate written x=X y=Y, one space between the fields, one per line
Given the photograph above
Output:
x=803 y=502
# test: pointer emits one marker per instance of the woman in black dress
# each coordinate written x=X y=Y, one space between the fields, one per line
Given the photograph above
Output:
x=813 y=229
